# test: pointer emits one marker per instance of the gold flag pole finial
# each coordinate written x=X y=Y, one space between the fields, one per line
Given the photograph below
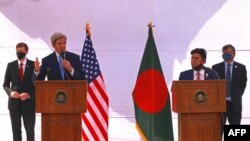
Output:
x=150 y=24
x=87 y=28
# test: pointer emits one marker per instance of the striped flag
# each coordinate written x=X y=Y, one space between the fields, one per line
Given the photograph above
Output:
x=95 y=120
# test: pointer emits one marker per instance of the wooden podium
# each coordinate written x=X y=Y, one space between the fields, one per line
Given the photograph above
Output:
x=61 y=104
x=199 y=105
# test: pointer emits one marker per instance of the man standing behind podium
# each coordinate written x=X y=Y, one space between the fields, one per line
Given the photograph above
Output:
x=61 y=64
x=19 y=85
x=198 y=71
x=236 y=84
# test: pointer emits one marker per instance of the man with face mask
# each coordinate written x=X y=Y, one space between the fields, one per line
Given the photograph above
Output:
x=236 y=76
x=19 y=86
x=198 y=71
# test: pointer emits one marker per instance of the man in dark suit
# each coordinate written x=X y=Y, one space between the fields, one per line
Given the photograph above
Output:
x=61 y=64
x=237 y=80
x=19 y=85
x=198 y=71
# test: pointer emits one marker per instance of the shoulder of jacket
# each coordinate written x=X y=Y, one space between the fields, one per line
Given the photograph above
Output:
x=237 y=63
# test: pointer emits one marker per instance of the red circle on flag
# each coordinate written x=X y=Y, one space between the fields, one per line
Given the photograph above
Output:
x=150 y=92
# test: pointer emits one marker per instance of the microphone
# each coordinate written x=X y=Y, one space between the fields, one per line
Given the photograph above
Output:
x=48 y=72
x=209 y=69
x=206 y=68
x=62 y=54
x=66 y=72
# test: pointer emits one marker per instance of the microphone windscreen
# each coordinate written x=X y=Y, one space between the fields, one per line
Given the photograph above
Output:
x=63 y=54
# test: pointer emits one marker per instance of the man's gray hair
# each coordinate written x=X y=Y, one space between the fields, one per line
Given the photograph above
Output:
x=56 y=36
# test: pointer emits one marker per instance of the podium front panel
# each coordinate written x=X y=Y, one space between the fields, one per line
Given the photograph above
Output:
x=61 y=96
x=199 y=96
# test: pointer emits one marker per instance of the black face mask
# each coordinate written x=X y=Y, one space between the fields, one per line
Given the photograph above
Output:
x=197 y=68
x=20 y=55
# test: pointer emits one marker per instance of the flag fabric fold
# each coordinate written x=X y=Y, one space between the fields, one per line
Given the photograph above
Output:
x=151 y=97
x=95 y=120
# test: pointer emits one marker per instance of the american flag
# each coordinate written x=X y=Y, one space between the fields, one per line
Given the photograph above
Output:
x=95 y=120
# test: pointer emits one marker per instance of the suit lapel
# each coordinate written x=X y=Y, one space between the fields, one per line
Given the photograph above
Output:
x=56 y=63
x=191 y=75
x=206 y=75
x=222 y=69
x=28 y=69
x=234 y=69
x=16 y=69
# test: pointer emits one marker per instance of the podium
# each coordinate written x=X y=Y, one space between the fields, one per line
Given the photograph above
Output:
x=61 y=103
x=199 y=105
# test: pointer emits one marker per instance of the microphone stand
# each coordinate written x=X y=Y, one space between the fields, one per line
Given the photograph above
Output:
x=218 y=78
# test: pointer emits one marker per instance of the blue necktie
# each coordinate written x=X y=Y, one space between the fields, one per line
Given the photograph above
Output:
x=228 y=78
x=60 y=66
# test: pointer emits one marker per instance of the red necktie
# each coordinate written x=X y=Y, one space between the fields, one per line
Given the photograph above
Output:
x=21 y=72
x=198 y=76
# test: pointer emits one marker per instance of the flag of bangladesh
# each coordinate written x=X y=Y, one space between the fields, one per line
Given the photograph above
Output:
x=151 y=97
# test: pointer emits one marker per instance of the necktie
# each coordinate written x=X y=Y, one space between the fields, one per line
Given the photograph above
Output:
x=21 y=72
x=60 y=66
x=198 y=74
x=228 y=78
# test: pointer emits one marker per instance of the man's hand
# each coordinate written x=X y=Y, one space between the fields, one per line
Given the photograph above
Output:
x=66 y=64
x=24 y=96
x=37 y=65
x=15 y=94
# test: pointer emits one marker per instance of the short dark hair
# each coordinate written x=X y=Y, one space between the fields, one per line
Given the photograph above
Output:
x=200 y=51
x=22 y=44
x=225 y=47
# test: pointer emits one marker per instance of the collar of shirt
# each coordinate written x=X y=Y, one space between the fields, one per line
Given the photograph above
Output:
x=229 y=63
x=57 y=55
x=226 y=65
x=24 y=62
x=202 y=72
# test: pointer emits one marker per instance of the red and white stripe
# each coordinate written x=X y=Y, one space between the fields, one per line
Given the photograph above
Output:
x=95 y=120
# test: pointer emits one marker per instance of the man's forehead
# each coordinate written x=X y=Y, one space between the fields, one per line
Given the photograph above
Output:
x=20 y=48
x=229 y=50
x=196 y=55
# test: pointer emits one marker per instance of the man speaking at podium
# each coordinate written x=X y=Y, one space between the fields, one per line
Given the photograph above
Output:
x=198 y=71
x=61 y=64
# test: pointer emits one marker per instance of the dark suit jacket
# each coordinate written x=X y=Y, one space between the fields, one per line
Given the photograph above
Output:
x=239 y=80
x=189 y=75
x=50 y=67
x=12 y=83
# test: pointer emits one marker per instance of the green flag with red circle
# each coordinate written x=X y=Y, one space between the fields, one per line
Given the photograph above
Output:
x=151 y=97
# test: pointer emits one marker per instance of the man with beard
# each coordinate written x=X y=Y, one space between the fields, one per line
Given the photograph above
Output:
x=198 y=71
